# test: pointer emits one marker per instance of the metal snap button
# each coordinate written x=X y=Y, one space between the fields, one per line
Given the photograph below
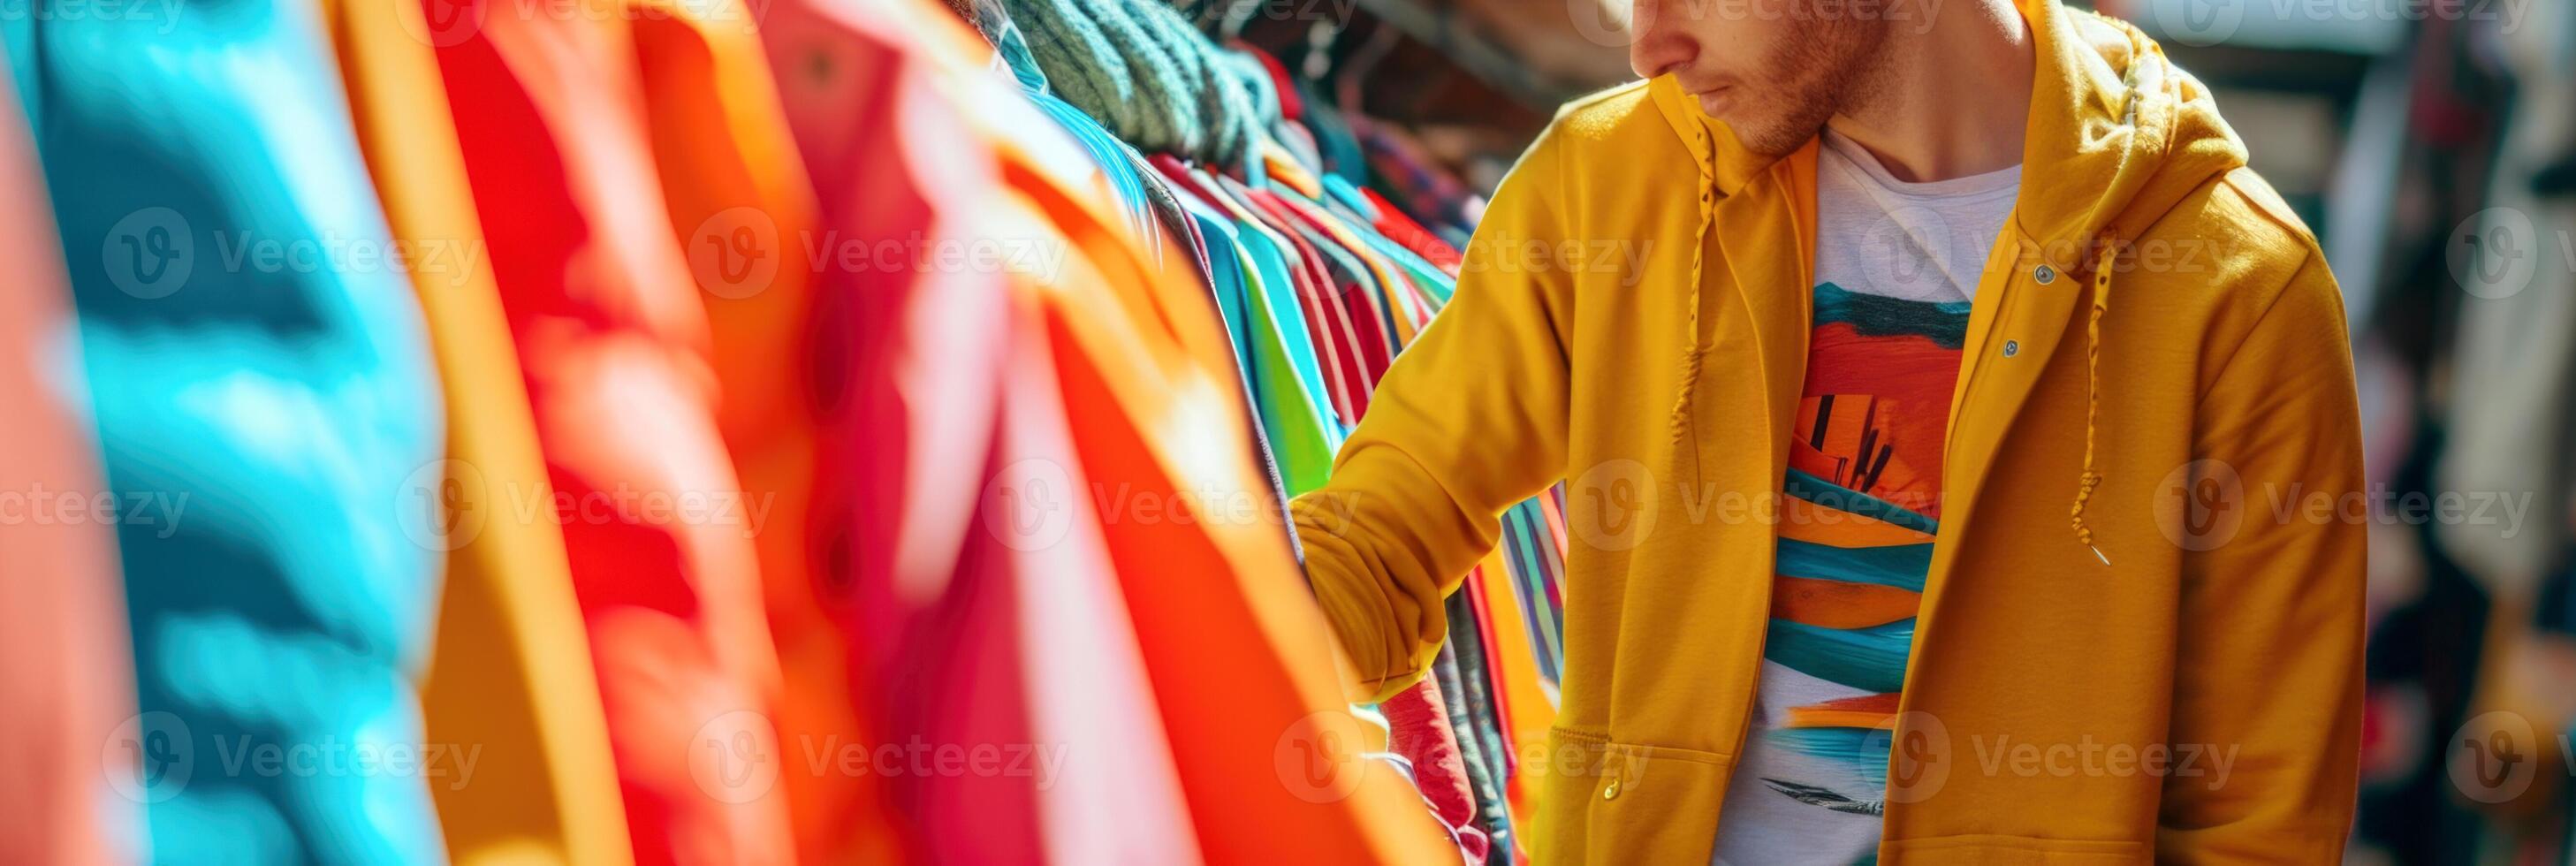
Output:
x=1611 y=792
x=2045 y=275
x=2011 y=348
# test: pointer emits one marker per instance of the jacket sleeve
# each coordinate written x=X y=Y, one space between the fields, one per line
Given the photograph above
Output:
x=1469 y=420
x=2269 y=662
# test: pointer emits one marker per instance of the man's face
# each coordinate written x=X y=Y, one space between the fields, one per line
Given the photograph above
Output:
x=1773 y=70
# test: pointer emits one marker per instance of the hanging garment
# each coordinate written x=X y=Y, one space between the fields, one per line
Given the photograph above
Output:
x=507 y=674
x=742 y=204
x=1474 y=749
x=2511 y=424
x=1419 y=729
x=1237 y=663
x=1329 y=272
x=1358 y=295
x=1401 y=228
x=66 y=667
x=1528 y=710
x=262 y=389
x=1228 y=631
x=613 y=342
x=981 y=616
x=1489 y=753
x=1271 y=333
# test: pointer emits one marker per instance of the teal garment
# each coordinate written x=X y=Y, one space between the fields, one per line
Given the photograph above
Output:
x=1225 y=281
x=270 y=422
x=1293 y=417
x=1279 y=294
x=1341 y=192
x=1435 y=283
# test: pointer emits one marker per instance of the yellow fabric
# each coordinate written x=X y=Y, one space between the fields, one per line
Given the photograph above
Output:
x=511 y=673
x=1655 y=392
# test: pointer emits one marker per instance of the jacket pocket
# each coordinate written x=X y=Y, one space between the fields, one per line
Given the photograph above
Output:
x=1608 y=802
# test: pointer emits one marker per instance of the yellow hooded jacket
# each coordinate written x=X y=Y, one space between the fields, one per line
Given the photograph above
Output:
x=2156 y=346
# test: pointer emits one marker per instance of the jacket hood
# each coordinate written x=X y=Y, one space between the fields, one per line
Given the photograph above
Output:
x=2117 y=134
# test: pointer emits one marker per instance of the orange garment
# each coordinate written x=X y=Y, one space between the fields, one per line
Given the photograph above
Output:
x=1231 y=640
x=1236 y=646
x=614 y=343
x=1235 y=643
x=743 y=210
x=504 y=676
x=66 y=669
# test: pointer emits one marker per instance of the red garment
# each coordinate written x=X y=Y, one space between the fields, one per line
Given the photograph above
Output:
x=1400 y=228
x=613 y=341
x=1418 y=728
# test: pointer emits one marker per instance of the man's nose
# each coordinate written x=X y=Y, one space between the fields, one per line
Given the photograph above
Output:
x=1662 y=44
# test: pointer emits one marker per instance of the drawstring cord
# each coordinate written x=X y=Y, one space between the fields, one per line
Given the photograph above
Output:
x=1691 y=358
x=2092 y=392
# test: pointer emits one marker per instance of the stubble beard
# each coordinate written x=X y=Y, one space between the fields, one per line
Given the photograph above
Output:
x=1823 y=68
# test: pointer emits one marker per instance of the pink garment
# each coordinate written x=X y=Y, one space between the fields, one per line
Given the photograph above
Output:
x=68 y=736
x=978 y=600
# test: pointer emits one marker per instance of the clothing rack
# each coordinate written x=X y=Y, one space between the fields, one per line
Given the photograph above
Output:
x=792 y=442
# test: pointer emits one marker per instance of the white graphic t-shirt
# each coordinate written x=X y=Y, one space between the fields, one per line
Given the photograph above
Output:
x=1896 y=264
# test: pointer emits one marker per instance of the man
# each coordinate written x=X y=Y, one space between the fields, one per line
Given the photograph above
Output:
x=1913 y=292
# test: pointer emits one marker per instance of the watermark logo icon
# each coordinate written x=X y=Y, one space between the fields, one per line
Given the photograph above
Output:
x=441 y=506
x=735 y=253
x=150 y=757
x=2198 y=23
x=150 y=253
x=734 y=757
x=2494 y=757
x=1029 y=505
x=1318 y=759
x=2201 y=505
x=2494 y=253
x=444 y=23
x=1614 y=505
x=1919 y=757
x=1910 y=249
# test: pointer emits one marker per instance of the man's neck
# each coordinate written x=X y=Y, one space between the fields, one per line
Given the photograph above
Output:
x=1950 y=100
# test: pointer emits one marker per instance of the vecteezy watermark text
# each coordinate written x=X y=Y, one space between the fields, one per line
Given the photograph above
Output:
x=39 y=505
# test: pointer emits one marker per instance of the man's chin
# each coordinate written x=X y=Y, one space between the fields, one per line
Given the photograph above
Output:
x=1771 y=139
